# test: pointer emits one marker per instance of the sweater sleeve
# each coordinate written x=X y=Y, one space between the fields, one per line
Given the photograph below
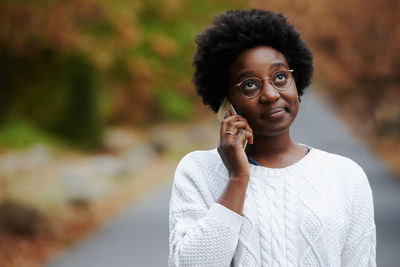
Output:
x=360 y=246
x=202 y=232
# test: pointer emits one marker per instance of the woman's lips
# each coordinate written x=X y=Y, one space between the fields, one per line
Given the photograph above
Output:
x=273 y=113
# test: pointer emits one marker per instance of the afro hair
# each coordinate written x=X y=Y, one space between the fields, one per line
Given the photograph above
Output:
x=235 y=31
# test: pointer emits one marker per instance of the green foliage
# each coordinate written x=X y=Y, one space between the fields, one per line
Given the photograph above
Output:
x=173 y=105
x=180 y=27
x=18 y=133
x=57 y=92
x=81 y=120
x=71 y=67
x=99 y=29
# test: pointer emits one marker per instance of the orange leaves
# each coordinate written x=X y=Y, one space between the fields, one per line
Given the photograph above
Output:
x=163 y=45
x=169 y=8
x=138 y=47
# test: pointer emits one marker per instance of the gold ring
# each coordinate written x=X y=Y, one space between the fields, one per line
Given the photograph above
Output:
x=229 y=132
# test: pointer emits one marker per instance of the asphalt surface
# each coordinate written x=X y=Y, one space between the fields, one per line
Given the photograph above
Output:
x=138 y=236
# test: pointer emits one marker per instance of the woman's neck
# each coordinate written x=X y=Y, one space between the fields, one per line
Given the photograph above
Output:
x=275 y=151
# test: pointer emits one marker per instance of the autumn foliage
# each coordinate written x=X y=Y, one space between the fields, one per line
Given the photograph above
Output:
x=72 y=67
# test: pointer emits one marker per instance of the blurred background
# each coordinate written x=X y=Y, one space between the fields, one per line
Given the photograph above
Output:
x=96 y=104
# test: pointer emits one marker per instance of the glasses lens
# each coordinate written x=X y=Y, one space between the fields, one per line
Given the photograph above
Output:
x=250 y=87
x=281 y=79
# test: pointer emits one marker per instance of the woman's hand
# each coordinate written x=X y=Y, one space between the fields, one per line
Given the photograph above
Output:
x=231 y=147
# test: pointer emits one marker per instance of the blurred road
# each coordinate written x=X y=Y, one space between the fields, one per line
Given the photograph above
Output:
x=138 y=236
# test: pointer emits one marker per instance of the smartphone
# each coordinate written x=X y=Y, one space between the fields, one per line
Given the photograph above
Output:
x=225 y=106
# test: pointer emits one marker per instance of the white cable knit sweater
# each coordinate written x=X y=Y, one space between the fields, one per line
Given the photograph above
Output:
x=316 y=212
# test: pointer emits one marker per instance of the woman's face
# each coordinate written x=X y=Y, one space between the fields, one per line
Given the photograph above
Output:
x=271 y=112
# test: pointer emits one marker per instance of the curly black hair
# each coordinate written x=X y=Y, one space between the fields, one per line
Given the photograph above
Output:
x=235 y=31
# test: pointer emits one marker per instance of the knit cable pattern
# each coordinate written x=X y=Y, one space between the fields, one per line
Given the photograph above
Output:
x=317 y=212
x=266 y=257
x=269 y=198
x=290 y=223
x=311 y=228
x=274 y=197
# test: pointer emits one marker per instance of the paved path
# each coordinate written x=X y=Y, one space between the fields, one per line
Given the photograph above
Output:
x=138 y=236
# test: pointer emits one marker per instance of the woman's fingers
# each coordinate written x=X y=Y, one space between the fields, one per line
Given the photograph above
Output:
x=236 y=125
x=243 y=135
x=235 y=131
x=224 y=123
x=232 y=124
x=237 y=140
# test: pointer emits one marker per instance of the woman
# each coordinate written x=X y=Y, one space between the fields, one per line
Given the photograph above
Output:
x=272 y=202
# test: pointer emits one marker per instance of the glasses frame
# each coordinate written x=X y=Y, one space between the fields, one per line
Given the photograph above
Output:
x=262 y=83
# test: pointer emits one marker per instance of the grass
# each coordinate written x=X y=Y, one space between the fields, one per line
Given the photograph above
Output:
x=18 y=133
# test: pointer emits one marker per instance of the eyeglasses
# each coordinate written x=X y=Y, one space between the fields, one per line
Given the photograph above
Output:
x=251 y=87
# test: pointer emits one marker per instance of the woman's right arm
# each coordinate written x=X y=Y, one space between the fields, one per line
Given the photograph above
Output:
x=200 y=234
x=233 y=155
x=202 y=231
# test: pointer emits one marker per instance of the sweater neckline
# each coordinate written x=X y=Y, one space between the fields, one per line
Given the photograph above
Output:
x=291 y=169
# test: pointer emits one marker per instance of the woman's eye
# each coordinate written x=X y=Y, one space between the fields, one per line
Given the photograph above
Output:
x=280 y=78
x=249 y=85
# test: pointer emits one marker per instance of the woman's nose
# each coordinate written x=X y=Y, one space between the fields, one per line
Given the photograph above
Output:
x=268 y=93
